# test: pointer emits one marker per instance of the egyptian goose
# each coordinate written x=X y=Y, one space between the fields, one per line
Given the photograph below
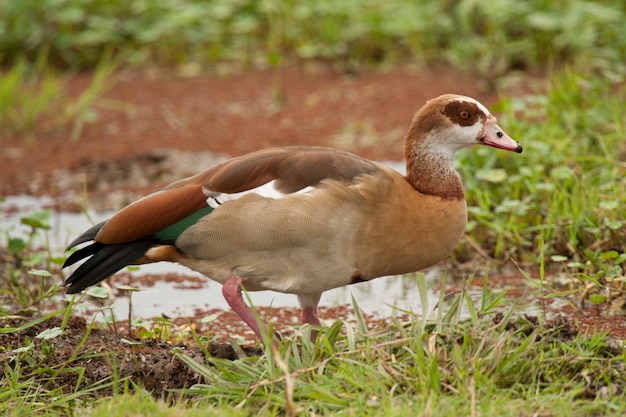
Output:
x=335 y=219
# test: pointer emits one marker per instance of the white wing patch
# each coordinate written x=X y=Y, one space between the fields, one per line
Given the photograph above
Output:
x=215 y=199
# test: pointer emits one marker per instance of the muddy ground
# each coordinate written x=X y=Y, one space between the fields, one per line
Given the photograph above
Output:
x=151 y=129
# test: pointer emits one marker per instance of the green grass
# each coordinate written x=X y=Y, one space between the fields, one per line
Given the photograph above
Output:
x=481 y=367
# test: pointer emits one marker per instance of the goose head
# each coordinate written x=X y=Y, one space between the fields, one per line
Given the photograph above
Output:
x=451 y=122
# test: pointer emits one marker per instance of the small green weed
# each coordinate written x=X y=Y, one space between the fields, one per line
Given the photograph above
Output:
x=26 y=278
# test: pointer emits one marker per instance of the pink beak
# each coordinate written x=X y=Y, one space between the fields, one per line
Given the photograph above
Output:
x=494 y=136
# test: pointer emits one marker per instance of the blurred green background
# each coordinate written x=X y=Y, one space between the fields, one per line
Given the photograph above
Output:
x=487 y=37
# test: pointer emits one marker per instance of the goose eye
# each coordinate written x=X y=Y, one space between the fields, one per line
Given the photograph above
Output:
x=464 y=114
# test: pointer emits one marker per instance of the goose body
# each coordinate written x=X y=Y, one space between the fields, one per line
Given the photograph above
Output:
x=334 y=219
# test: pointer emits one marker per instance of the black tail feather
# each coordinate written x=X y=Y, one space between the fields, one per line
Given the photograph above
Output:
x=88 y=235
x=82 y=253
x=106 y=260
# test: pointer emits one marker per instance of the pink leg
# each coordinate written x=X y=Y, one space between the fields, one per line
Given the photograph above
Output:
x=309 y=315
x=309 y=311
x=232 y=293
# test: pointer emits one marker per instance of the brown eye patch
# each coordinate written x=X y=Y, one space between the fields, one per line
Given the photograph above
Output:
x=463 y=113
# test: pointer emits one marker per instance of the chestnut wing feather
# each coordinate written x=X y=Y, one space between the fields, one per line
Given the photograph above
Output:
x=293 y=169
x=152 y=213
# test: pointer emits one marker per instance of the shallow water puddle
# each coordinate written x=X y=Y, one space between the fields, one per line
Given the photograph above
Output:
x=182 y=297
x=380 y=297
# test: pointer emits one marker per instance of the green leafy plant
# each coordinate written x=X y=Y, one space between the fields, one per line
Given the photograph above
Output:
x=26 y=278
